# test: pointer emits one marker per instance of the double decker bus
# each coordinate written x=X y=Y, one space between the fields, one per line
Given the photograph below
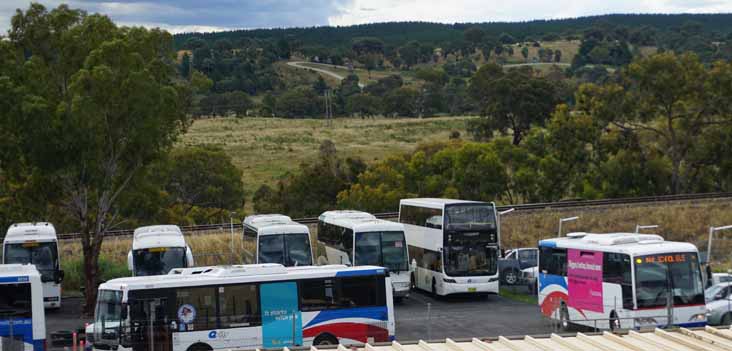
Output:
x=454 y=244
x=620 y=280
x=157 y=249
x=37 y=244
x=22 y=318
x=359 y=238
x=245 y=307
x=279 y=239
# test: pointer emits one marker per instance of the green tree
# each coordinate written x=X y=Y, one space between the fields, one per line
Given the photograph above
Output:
x=474 y=35
x=320 y=86
x=402 y=102
x=103 y=100
x=525 y=53
x=364 y=105
x=299 y=103
x=671 y=102
x=515 y=100
x=185 y=66
x=204 y=177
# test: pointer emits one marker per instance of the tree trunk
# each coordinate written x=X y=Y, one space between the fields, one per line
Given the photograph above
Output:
x=91 y=263
x=675 y=174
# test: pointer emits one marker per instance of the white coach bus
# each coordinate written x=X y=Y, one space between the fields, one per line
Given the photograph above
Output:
x=245 y=307
x=37 y=244
x=454 y=245
x=358 y=238
x=157 y=249
x=620 y=280
x=279 y=239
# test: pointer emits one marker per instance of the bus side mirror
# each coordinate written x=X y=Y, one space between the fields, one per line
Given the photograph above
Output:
x=60 y=276
x=189 y=257
x=130 y=264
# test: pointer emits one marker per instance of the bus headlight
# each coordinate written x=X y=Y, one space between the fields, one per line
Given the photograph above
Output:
x=699 y=317
x=449 y=280
x=709 y=311
x=646 y=321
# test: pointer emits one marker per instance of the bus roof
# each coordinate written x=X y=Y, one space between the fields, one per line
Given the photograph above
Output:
x=158 y=236
x=430 y=202
x=14 y=270
x=344 y=214
x=21 y=232
x=363 y=224
x=181 y=277
x=268 y=224
x=628 y=243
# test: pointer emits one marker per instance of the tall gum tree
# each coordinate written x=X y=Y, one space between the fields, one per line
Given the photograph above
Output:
x=674 y=101
x=93 y=104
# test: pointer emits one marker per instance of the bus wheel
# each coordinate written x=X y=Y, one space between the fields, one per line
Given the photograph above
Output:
x=614 y=321
x=564 y=317
x=325 y=339
x=727 y=319
x=200 y=347
x=434 y=287
x=510 y=276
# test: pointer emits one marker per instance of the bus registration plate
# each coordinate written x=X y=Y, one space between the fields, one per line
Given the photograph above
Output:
x=472 y=289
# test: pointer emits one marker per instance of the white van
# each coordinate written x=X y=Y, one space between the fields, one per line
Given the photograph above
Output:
x=279 y=239
x=157 y=249
x=37 y=244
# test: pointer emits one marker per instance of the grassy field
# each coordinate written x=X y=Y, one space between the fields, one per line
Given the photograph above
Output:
x=267 y=148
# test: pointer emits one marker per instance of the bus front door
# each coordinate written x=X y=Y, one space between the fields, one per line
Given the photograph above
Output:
x=281 y=319
x=155 y=332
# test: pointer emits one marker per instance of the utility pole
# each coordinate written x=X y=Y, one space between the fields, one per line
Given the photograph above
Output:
x=328 y=108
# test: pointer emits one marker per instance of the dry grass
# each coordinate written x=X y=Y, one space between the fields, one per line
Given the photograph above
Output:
x=265 y=149
x=683 y=221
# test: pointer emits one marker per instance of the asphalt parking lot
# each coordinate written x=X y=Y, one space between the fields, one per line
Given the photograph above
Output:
x=448 y=317
x=465 y=316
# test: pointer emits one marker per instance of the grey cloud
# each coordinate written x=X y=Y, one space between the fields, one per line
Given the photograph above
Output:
x=218 y=13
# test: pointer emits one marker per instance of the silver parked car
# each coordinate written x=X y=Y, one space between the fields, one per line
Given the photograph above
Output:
x=719 y=304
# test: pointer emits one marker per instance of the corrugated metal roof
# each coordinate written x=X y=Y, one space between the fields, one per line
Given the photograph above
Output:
x=708 y=338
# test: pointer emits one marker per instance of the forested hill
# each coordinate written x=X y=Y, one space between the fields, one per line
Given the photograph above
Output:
x=398 y=33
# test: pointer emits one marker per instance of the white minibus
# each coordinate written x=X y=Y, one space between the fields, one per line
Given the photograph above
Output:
x=279 y=239
x=37 y=244
x=157 y=249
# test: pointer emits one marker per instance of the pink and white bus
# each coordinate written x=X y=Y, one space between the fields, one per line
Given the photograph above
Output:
x=620 y=280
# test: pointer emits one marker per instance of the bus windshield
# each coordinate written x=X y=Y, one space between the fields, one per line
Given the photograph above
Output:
x=470 y=217
x=158 y=261
x=287 y=249
x=43 y=255
x=15 y=301
x=656 y=275
x=386 y=249
x=465 y=258
x=108 y=316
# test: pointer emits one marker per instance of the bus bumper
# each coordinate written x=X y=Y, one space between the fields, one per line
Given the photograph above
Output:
x=470 y=288
x=400 y=291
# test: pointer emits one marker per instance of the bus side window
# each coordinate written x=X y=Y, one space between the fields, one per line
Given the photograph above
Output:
x=239 y=306
x=361 y=292
x=316 y=294
x=616 y=270
x=553 y=261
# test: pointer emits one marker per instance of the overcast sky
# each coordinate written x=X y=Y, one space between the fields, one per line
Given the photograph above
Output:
x=209 y=15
